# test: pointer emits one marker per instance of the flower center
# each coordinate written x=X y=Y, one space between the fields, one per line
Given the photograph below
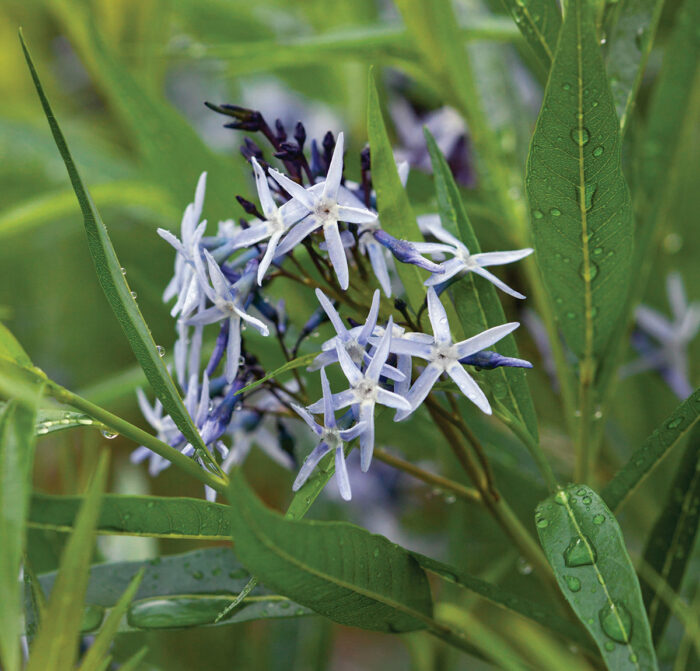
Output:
x=332 y=438
x=366 y=391
x=275 y=223
x=356 y=351
x=466 y=258
x=326 y=211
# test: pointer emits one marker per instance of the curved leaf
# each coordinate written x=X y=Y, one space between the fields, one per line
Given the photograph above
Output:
x=11 y=349
x=156 y=516
x=539 y=22
x=16 y=462
x=652 y=451
x=116 y=289
x=672 y=538
x=337 y=569
x=476 y=300
x=581 y=210
x=584 y=545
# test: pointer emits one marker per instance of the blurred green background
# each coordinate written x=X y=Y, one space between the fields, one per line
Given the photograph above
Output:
x=127 y=79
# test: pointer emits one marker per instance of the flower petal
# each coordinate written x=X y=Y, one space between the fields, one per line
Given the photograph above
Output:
x=269 y=207
x=335 y=171
x=297 y=234
x=438 y=318
x=484 y=339
x=333 y=315
x=499 y=258
x=336 y=253
x=495 y=281
x=469 y=387
x=341 y=474
x=371 y=320
x=379 y=358
x=420 y=389
x=309 y=464
x=296 y=191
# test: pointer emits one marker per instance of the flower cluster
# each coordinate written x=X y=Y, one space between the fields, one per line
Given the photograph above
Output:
x=309 y=206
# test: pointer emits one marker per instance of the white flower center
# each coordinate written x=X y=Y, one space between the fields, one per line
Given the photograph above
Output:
x=332 y=438
x=275 y=224
x=444 y=355
x=366 y=391
x=225 y=306
x=326 y=211
x=466 y=258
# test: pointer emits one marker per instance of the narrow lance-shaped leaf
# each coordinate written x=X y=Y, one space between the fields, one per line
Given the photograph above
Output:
x=539 y=22
x=16 y=461
x=56 y=645
x=475 y=299
x=116 y=289
x=49 y=420
x=581 y=211
x=337 y=569
x=672 y=537
x=652 y=451
x=584 y=545
x=395 y=211
x=629 y=44
x=11 y=349
x=156 y=516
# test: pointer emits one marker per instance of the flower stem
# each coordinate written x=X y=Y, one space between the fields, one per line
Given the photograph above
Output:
x=128 y=430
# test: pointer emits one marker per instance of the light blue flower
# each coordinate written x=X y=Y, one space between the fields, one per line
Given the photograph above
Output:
x=443 y=356
x=321 y=203
x=365 y=392
x=464 y=262
x=229 y=303
x=332 y=438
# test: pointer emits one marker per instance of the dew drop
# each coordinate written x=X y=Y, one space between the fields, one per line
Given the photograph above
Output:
x=375 y=552
x=180 y=611
x=592 y=271
x=197 y=575
x=581 y=492
x=161 y=350
x=523 y=567
x=598 y=251
x=674 y=423
x=566 y=87
x=598 y=519
x=573 y=583
x=609 y=646
x=580 y=552
x=542 y=523
x=555 y=212
x=134 y=295
x=598 y=151
x=570 y=315
x=580 y=136
x=537 y=214
x=123 y=271
x=238 y=574
x=285 y=605
x=616 y=622
x=299 y=611
x=586 y=500
x=109 y=435
x=150 y=504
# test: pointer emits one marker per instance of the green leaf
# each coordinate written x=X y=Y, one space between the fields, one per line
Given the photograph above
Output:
x=652 y=451
x=116 y=289
x=502 y=598
x=337 y=569
x=56 y=644
x=98 y=651
x=581 y=210
x=539 y=22
x=180 y=591
x=132 y=664
x=11 y=349
x=16 y=462
x=156 y=516
x=584 y=545
x=476 y=299
x=395 y=211
x=672 y=537
x=629 y=44
x=50 y=420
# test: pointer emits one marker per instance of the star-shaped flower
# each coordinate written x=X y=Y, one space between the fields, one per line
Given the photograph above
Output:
x=444 y=356
x=463 y=261
x=321 y=202
x=229 y=303
x=332 y=438
x=277 y=222
x=674 y=335
x=365 y=392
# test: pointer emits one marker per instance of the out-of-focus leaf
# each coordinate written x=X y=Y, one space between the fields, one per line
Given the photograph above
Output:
x=395 y=211
x=56 y=645
x=539 y=22
x=132 y=664
x=672 y=537
x=98 y=651
x=157 y=516
x=629 y=44
x=580 y=204
x=337 y=569
x=11 y=349
x=584 y=545
x=476 y=300
x=502 y=598
x=117 y=290
x=43 y=210
x=181 y=591
x=16 y=462
x=652 y=451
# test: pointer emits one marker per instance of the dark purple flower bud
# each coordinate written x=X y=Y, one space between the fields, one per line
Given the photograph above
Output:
x=286 y=440
x=316 y=167
x=250 y=208
x=328 y=147
x=289 y=151
x=217 y=422
x=405 y=252
x=250 y=149
x=489 y=360
x=300 y=134
x=265 y=308
x=280 y=130
x=365 y=158
x=245 y=119
x=317 y=318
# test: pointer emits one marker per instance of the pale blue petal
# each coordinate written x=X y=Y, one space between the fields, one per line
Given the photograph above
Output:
x=335 y=171
x=367 y=436
x=233 y=349
x=355 y=215
x=333 y=315
x=495 y=281
x=469 y=387
x=499 y=258
x=336 y=253
x=297 y=191
x=380 y=356
x=309 y=464
x=269 y=207
x=420 y=389
x=308 y=418
x=371 y=321
x=341 y=474
x=297 y=234
x=328 y=412
x=450 y=268
x=268 y=256
x=438 y=318
x=654 y=323
x=392 y=400
x=350 y=369
x=484 y=339
x=378 y=261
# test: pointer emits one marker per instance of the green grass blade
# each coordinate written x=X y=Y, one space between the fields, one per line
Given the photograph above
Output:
x=56 y=644
x=132 y=664
x=99 y=650
x=652 y=451
x=154 y=516
x=336 y=569
x=539 y=22
x=16 y=462
x=476 y=300
x=11 y=349
x=581 y=209
x=117 y=290
x=629 y=44
x=50 y=420
x=395 y=211
x=672 y=537
x=584 y=545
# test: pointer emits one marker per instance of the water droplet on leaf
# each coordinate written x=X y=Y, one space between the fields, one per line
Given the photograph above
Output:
x=161 y=350
x=580 y=552
x=580 y=136
x=616 y=622
x=109 y=435
x=598 y=151
x=573 y=583
x=598 y=519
